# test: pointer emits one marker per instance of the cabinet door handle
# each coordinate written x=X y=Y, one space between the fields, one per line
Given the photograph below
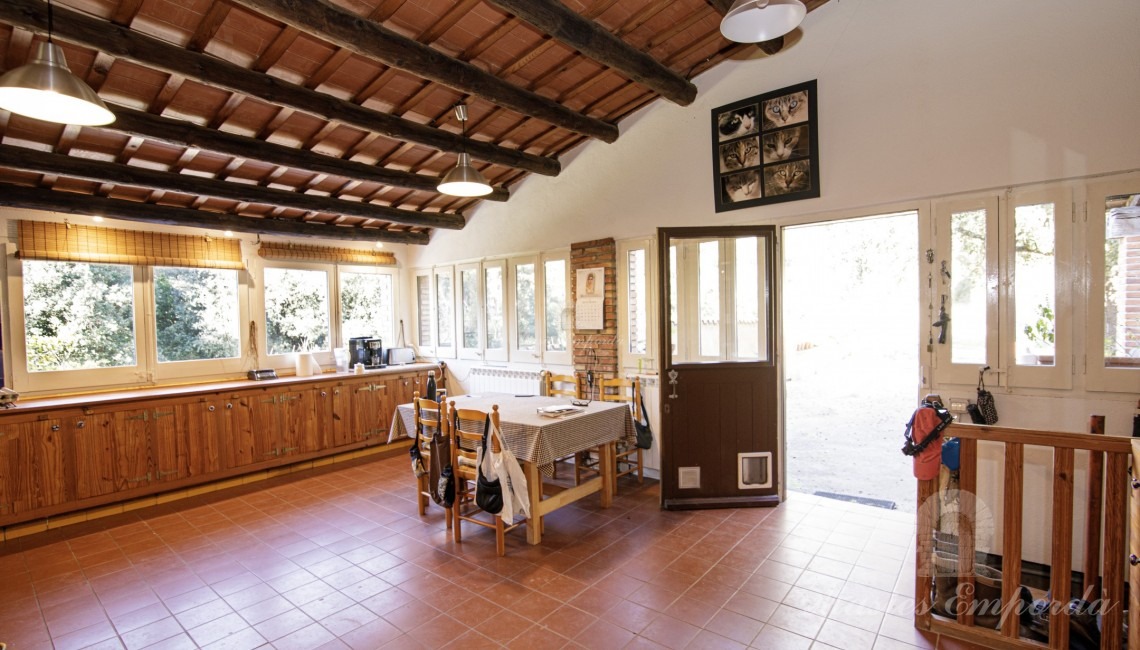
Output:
x=229 y=405
x=210 y=408
x=80 y=424
x=55 y=427
x=324 y=393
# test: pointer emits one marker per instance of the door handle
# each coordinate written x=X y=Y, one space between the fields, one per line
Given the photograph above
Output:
x=673 y=384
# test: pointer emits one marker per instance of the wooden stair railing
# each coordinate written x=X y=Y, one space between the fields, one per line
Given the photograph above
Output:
x=1111 y=453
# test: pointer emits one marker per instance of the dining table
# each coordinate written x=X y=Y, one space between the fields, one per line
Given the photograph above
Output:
x=537 y=441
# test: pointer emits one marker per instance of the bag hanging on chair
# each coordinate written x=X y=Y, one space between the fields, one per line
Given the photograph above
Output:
x=418 y=467
x=438 y=451
x=986 y=407
x=641 y=425
x=488 y=488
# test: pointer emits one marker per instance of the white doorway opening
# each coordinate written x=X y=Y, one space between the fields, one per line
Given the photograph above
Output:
x=851 y=350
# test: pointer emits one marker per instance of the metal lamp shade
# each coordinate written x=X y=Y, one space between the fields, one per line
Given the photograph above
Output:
x=46 y=90
x=464 y=180
x=754 y=21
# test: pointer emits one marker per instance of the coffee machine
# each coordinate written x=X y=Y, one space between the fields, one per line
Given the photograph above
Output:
x=358 y=351
x=375 y=349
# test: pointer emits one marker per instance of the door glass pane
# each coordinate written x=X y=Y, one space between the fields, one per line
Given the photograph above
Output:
x=968 y=291
x=423 y=309
x=747 y=299
x=524 y=307
x=296 y=310
x=196 y=314
x=366 y=306
x=1034 y=278
x=78 y=315
x=638 y=309
x=554 y=286
x=708 y=283
x=444 y=307
x=711 y=277
x=1121 y=252
x=496 y=320
x=468 y=285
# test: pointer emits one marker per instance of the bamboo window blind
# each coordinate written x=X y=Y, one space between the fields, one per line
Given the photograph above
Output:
x=295 y=252
x=40 y=240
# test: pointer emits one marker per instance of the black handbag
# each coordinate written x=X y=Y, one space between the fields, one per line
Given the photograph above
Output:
x=438 y=452
x=641 y=425
x=986 y=407
x=488 y=493
x=446 y=486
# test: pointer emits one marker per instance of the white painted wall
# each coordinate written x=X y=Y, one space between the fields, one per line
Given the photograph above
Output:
x=918 y=99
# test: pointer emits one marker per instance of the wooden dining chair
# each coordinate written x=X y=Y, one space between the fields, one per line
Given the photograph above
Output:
x=467 y=430
x=563 y=386
x=430 y=417
x=627 y=455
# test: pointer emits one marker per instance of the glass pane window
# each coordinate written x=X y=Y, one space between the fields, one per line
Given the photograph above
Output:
x=708 y=285
x=444 y=326
x=747 y=298
x=423 y=310
x=968 y=291
x=496 y=316
x=197 y=315
x=468 y=285
x=525 y=307
x=555 y=294
x=78 y=315
x=638 y=302
x=296 y=310
x=673 y=307
x=1121 y=252
x=1035 y=278
x=366 y=306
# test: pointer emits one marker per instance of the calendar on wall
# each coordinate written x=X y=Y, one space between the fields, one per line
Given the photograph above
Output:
x=589 y=303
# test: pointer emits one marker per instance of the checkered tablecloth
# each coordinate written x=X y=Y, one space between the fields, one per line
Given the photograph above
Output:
x=532 y=437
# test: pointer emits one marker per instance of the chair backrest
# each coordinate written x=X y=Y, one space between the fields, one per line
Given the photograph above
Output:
x=467 y=429
x=431 y=416
x=563 y=385
x=619 y=390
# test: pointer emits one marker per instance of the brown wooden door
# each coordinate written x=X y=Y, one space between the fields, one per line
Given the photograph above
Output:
x=333 y=416
x=298 y=424
x=170 y=440
x=367 y=403
x=131 y=431
x=93 y=440
x=9 y=435
x=40 y=476
x=241 y=448
x=720 y=403
x=207 y=426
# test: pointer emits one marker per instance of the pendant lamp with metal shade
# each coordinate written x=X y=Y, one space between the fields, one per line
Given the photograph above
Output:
x=463 y=179
x=45 y=89
x=755 y=21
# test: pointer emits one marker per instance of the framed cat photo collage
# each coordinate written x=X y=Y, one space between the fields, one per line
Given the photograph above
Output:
x=766 y=149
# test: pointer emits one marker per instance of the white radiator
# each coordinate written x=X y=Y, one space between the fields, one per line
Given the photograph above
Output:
x=484 y=379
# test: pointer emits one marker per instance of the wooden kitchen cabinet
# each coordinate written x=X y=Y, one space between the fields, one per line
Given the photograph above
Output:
x=56 y=459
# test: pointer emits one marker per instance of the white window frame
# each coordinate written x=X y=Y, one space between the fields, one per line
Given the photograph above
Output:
x=1098 y=376
x=205 y=367
x=1060 y=374
x=287 y=361
x=25 y=381
x=499 y=354
x=445 y=310
x=465 y=352
x=556 y=357
x=631 y=361
x=421 y=349
x=389 y=338
x=946 y=369
x=517 y=354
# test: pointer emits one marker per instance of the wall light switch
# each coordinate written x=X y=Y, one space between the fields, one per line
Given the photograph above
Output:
x=958 y=404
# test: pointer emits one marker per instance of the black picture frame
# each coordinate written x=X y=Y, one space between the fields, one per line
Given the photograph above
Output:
x=765 y=149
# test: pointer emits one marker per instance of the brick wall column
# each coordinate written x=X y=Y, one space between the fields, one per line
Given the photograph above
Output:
x=596 y=349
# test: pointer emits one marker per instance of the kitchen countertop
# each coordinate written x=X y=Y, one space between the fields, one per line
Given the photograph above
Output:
x=81 y=400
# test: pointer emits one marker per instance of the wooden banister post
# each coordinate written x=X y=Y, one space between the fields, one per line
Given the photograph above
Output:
x=924 y=554
x=1011 y=547
x=1134 y=544
x=1115 y=514
x=967 y=520
x=1092 y=525
x=1061 y=574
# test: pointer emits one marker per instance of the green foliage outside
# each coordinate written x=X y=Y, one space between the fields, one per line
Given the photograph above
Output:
x=196 y=314
x=296 y=311
x=78 y=315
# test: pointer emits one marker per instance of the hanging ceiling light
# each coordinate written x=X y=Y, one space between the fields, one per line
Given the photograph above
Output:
x=753 y=21
x=47 y=90
x=463 y=179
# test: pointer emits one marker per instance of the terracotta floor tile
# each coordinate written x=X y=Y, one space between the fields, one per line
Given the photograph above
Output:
x=795 y=620
x=371 y=635
x=568 y=621
x=670 y=632
x=775 y=638
x=151 y=633
x=737 y=627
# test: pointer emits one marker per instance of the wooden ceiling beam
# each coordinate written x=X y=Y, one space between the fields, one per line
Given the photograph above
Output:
x=185 y=134
x=209 y=26
x=372 y=40
x=125 y=13
x=591 y=39
x=212 y=71
x=73 y=203
x=22 y=159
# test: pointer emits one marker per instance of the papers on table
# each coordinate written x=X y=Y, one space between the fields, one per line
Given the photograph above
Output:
x=559 y=410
